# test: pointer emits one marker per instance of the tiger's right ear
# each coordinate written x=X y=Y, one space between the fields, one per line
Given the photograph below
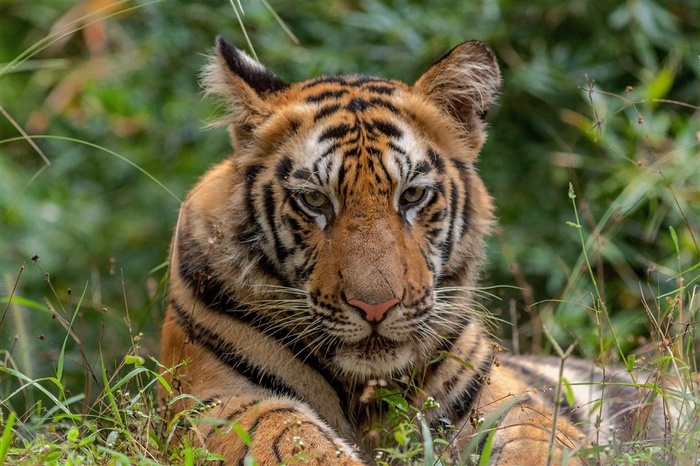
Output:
x=244 y=85
x=463 y=83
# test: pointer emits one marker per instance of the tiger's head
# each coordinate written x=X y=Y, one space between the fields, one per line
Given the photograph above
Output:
x=356 y=198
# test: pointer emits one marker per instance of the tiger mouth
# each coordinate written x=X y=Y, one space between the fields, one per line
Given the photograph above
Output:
x=377 y=343
x=373 y=356
x=371 y=347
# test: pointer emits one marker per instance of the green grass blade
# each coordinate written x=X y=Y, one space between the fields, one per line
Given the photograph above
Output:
x=428 y=448
x=486 y=452
x=50 y=412
x=62 y=354
x=6 y=437
x=28 y=303
x=103 y=149
x=108 y=394
x=36 y=383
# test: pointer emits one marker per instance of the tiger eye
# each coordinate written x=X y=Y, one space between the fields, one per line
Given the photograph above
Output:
x=413 y=195
x=315 y=200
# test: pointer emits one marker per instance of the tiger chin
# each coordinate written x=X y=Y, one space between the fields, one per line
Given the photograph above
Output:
x=337 y=250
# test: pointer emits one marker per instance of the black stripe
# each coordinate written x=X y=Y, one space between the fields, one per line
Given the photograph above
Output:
x=433 y=199
x=373 y=151
x=342 y=171
x=352 y=152
x=325 y=80
x=299 y=210
x=241 y=409
x=193 y=258
x=356 y=80
x=204 y=282
x=227 y=355
x=302 y=174
x=269 y=200
x=449 y=385
x=254 y=426
x=379 y=89
x=387 y=129
x=463 y=405
x=377 y=102
x=198 y=276
x=465 y=176
x=335 y=132
x=449 y=243
x=357 y=104
x=437 y=160
x=251 y=176
x=326 y=111
x=396 y=148
x=284 y=167
x=422 y=168
x=438 y=216
x=295 y=227
x=331 y=150
x=326 y=95
x=265 y=264
x=360 y=79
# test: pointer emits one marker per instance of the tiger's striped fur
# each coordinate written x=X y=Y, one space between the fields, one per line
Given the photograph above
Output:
x=339 y=248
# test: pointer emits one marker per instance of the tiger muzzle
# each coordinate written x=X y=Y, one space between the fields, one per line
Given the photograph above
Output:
x=372 y=268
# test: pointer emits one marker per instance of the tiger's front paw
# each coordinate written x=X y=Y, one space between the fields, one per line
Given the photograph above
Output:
x=280 y=431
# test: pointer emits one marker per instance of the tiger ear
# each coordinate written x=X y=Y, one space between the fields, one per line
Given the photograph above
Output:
x=463 y=83
x=244 y=85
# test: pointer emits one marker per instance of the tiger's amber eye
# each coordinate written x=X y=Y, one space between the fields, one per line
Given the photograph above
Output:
x=315 y=200
x=413 y=195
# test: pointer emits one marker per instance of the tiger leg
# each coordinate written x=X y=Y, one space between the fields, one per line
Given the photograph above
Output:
x=279 y=430
x=524 y=436
x=520 y=451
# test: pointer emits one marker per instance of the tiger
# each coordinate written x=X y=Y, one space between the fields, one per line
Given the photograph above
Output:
x=337 y=252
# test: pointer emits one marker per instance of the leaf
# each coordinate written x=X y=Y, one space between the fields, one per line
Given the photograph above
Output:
x=674 y=237
x=661 y=84
x=137 y=361
x=568 y=392
x=73 y=434
x=393 y=398
x=242 y=434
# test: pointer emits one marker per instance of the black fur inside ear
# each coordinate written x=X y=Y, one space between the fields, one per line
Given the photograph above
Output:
x=259 y=78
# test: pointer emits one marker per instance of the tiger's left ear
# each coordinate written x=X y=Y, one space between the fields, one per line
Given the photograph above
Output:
x=244 y=85
x=463 y=83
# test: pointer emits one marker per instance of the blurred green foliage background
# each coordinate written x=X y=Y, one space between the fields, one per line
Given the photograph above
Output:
x=600 y=94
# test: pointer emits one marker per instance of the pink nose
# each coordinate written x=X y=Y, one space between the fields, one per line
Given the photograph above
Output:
x=374 y=312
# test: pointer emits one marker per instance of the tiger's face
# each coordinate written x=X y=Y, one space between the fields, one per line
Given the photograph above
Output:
x=361 y=205
x=361 y=193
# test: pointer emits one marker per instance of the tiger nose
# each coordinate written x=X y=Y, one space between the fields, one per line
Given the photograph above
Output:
x=374 y=312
